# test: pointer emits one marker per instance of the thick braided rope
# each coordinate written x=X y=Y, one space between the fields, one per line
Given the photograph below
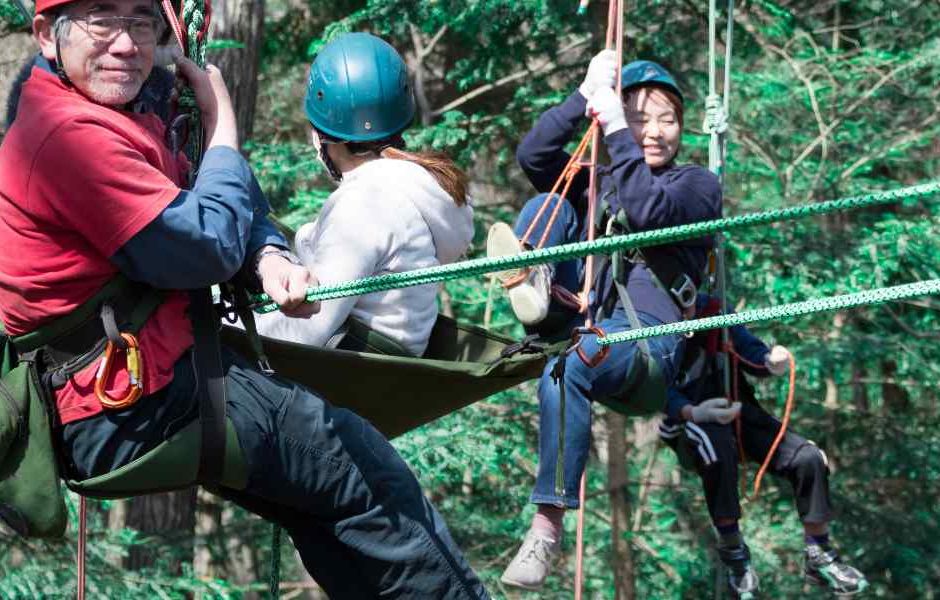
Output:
x=774 y=313
x=605 y=245
x=193 y=16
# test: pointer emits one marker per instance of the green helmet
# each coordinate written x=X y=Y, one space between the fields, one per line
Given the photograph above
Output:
x=358 y=90
x=641 y=73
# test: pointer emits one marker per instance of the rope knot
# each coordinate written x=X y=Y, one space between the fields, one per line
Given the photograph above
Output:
x=716 y=120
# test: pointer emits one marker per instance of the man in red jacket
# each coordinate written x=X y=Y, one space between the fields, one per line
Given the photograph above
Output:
x=89 y=189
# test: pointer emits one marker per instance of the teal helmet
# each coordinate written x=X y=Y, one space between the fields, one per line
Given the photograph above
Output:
x=358 y=90
x=642 y=73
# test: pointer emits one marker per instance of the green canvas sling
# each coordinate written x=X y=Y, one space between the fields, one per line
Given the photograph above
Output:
x=31 y=499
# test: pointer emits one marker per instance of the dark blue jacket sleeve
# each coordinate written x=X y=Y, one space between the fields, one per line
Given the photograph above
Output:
x=205 y=234
x=680 y=195
x=751 y=349
x=675 y=400
x=263 y=231
x=542 y=155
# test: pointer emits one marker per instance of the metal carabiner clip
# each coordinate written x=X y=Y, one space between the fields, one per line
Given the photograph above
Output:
x=603 y=351
x=135 y=383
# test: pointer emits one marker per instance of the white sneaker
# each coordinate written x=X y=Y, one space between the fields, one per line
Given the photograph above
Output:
x=533 y=562
x=529 y=297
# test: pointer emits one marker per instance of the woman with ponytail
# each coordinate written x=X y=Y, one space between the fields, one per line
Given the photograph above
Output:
x=393 y=210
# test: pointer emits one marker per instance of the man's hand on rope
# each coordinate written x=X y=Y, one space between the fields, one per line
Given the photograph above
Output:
x=714 y=410
x=286 y=283
x=605 y=105
x=213 y=100
x=602 y=72
x=777 y=360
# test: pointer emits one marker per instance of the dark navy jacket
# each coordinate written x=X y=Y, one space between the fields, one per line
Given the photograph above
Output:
x=700 y=378
x=652 y=199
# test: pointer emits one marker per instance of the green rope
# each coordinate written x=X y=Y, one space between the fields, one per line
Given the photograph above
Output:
x=808 y=307
x=275 y=582
x=605 y=245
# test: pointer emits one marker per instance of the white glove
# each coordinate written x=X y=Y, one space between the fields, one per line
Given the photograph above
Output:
x=715 y=410
x=777 y=360
x=602 y=72
x=606 y=106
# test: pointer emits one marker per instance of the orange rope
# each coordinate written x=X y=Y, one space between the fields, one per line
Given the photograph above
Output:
x=614 y=38
x=737 y=358
x=783 y=429
x=571 y=168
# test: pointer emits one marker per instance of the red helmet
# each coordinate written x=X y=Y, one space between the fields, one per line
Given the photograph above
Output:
x=44 y=5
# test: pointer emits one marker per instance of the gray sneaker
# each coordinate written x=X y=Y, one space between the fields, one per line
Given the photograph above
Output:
x=531 y=290
x=533 y=562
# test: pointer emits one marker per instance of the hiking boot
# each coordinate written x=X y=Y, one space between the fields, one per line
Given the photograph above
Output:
x=533 y=562
x=530 y=288
x=742 y=580
x=822 y=567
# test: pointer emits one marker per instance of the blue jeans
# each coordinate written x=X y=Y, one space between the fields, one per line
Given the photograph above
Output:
x=352 y=507
x=581 y=383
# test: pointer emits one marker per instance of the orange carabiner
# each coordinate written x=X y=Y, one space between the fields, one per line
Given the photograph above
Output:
x=135 y=383
x=602 y=353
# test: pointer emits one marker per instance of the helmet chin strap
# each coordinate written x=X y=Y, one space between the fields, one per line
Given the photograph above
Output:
x=324 y=157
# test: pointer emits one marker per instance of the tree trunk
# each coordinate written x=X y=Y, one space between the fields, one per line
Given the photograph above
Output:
x=172 y=516
x=859 y=393
x=240 y=21
x=620 y=511
x=117 y=520
x=894 y=397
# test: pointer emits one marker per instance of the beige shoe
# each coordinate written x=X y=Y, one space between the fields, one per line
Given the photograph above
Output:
x=532 y=564
x=529 y=297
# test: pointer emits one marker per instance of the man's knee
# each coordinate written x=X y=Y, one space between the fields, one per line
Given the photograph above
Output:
x=809 y=461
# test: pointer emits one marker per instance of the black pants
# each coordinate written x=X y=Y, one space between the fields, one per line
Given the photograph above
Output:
x=352 y=507
x=713 y=448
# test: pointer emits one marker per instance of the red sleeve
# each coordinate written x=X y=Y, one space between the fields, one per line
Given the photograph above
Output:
x=105 y=185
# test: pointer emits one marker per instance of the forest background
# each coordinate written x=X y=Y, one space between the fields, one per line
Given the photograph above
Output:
x=829 y=98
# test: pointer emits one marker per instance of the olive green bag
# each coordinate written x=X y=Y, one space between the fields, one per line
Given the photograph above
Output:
x=31 y=499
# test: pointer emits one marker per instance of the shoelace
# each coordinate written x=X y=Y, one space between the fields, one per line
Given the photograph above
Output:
x=533 y=550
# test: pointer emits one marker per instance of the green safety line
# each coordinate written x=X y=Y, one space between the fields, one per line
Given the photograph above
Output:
x=773 y=313
x=606 y=245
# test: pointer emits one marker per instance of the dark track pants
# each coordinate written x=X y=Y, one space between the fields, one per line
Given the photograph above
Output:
x=714 y=450
x=352 y=507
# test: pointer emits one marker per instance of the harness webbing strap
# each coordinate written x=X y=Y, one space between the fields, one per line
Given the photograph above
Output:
x=210 y=377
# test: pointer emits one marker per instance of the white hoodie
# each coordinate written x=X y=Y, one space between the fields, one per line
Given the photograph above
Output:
x=386 y=216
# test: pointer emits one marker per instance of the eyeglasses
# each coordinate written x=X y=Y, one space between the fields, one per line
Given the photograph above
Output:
x=143 y=30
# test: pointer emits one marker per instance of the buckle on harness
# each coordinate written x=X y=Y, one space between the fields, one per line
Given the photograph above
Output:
x=685 y=293
x=135 y=383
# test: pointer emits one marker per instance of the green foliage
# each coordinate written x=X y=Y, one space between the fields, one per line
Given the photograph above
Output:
x=829 y=99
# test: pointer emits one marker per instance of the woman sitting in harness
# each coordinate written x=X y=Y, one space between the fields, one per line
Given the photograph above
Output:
x=393 y=210
x=699 y=427
x=646 y=188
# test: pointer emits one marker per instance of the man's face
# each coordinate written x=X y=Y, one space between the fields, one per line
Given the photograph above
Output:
x=107 y=49
x=655 y=125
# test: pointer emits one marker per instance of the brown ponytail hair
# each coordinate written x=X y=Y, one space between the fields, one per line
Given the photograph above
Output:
x=448 y=175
